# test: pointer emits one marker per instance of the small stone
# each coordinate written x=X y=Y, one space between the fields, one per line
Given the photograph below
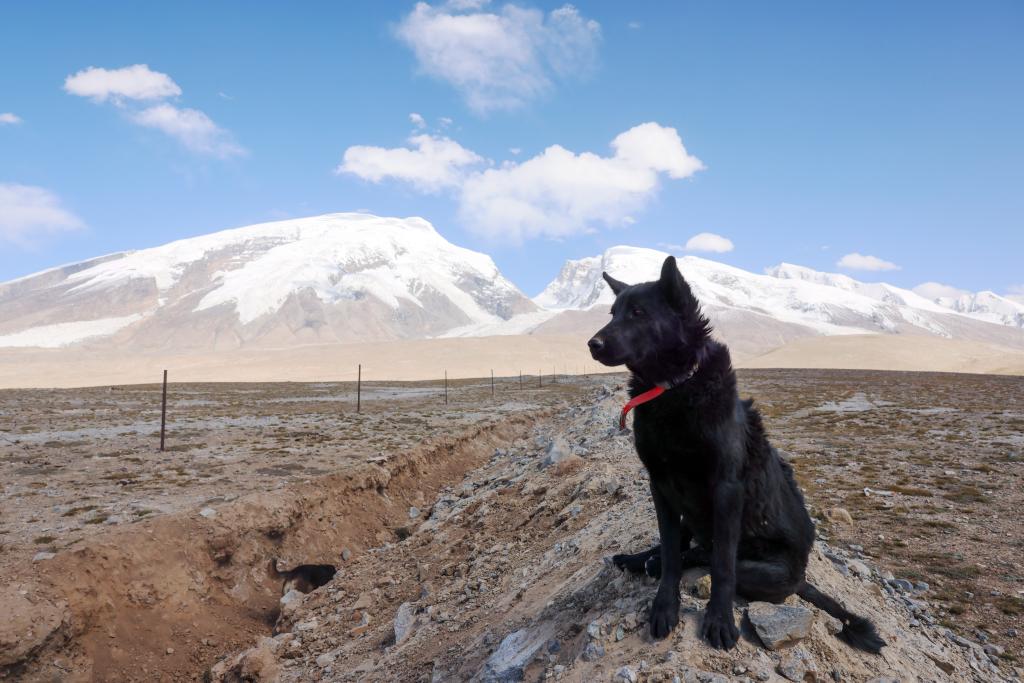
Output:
x=170 y=650
x=780 y=625
x=557 y=450
x=325 y=660
x=209 y=513
x=592 y=652
x=702 y=587
x=860 y=569
x=625 y=674
x=42 y=556
x=346 y=554
x=405 y=622
x=620 y=632
x=594 y=630
x=856 y=548
x=921 y=587
x=509 y=661
x=291 y=596
x=414 y=512
x=832 y=625
x=902 y=584
x=839 y=515
x=993 y=649
x=797 y=666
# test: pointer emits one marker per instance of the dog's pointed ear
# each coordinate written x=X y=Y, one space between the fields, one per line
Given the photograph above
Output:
x=672 y=282
x=614 y=284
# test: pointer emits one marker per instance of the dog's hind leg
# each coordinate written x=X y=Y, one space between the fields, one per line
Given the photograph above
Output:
x=769 y=579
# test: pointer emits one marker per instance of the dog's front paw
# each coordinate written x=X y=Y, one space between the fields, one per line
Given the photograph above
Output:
x=719 y=629
x=664 y=616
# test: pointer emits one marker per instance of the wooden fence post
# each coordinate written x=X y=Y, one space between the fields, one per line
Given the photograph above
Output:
x=163 y=413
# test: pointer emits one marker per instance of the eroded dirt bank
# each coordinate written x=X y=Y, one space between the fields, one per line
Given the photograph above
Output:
x=163 y=599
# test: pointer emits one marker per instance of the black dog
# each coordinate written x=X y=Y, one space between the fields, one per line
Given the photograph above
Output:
x=715 y=479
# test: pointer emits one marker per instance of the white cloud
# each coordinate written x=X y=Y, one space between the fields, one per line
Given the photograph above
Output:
x=554 y=194
x=191 y=127
x=1015 y=293
x=709 y=241
x=634 y=25
x=417 y=120
x=499 y=60
x=433 y=163
x=7 y=118
x=445 y=121
x=26 y=212
x=515 y=151
x=937 y=290
x=668 y=246
x=136 y=82
x=855 y=261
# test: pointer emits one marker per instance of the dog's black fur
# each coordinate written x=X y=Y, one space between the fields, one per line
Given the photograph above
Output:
x=715 y=479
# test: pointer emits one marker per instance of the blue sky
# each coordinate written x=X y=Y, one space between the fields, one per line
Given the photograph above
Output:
x=811 y=130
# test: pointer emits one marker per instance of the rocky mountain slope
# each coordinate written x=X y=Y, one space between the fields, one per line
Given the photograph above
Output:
x=333 y=278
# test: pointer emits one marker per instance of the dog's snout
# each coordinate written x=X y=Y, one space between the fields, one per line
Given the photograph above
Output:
x=595 y=344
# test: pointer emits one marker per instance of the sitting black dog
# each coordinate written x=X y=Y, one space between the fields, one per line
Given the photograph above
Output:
x=715 y=479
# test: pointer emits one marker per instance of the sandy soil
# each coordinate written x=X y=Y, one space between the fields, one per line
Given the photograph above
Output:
x=472 y=357
x=893 y=352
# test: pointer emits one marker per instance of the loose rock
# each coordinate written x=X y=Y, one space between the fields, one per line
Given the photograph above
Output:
x=780 y=625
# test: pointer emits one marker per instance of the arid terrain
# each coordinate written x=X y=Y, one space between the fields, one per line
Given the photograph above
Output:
x=470 y=538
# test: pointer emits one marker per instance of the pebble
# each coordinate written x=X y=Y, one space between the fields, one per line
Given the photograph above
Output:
x=797 y=666
x=625 y=674
x=346 y=554
x=592 y=652
x=209 y=513
x=325 y=660
x=860 y=569
x=41 y=556
x=414 y=512
x=902 y=584
x=170 y=650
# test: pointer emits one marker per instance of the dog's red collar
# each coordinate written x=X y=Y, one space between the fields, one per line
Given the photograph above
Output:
x=648 y=395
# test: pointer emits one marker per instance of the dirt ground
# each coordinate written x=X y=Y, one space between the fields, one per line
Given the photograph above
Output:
x=143 y=586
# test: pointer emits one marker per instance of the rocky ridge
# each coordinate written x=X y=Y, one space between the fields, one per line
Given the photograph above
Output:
x=505 y=577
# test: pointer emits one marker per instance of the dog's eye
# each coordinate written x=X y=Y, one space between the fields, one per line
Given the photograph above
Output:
x=637 y=312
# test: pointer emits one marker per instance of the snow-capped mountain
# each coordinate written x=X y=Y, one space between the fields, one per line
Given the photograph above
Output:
x=339 y=277
x=754 y=311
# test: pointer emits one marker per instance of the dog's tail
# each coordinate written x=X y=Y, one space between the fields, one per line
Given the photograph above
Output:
x=857 y=631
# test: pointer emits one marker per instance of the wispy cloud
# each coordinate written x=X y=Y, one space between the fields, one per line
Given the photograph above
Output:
x=710 y=242
x=554 y=194
x=9 y=119
x=500 y=60
x=855 y=261
x=190 y=127
x=138 y=83
x=26 y=212
x=417 y=120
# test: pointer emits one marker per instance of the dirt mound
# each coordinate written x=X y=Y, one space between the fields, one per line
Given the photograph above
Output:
x=165 y=599
x=506 y=579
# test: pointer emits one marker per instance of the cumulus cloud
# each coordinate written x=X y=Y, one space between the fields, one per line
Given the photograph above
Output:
x=1015 y=293
x=553 y=194
x=190 y=127
x=417 y=120
x=9 y=119
x=430 y=164
x=136 y=82
x=559 y=193
x=26 y=212
x=937 y=290
x=855 y=261
x=499 y=60
x=709 y=241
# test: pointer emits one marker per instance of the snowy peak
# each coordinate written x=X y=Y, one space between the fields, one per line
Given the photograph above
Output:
x=337 y=277
x=820 y=303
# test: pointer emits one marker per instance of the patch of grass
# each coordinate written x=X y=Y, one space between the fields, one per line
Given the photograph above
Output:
x=44 y=540
x=98 y=519
x=1009 y=605
x=911 y=491
x=966 y=494
x=76 y=510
